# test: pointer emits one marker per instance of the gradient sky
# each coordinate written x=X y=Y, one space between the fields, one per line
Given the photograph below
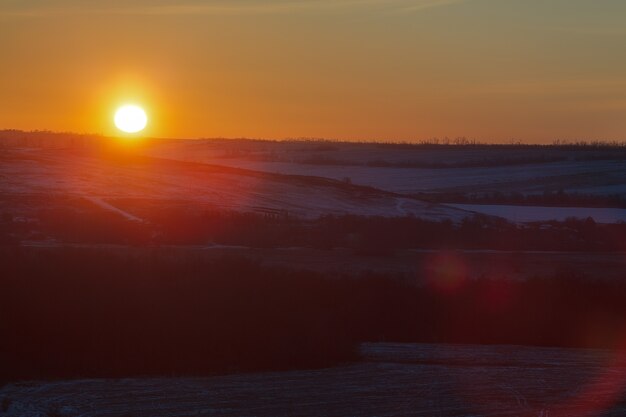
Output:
x=494 y=70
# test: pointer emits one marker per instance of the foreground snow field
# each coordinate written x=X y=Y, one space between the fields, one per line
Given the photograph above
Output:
x=391 y=380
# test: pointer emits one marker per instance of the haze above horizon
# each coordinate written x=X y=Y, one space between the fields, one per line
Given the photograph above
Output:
x=494 y=70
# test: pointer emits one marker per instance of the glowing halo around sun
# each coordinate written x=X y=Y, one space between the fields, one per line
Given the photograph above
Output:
x=130 y=119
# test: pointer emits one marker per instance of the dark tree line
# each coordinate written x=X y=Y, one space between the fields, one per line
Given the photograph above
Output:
x=554 y=198
x=90 y=313
x=363 y=234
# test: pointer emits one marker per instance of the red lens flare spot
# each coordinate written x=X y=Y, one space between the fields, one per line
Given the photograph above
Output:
x=446 y=272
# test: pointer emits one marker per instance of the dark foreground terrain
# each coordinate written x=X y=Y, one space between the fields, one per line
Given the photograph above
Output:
x=390 y=380
x=306 y=278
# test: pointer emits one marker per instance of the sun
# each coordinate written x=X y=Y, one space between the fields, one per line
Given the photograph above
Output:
x=130 y=119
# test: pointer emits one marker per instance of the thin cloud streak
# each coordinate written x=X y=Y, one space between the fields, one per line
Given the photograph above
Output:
x=592 y=31
x=229 y=8
x=429 y=5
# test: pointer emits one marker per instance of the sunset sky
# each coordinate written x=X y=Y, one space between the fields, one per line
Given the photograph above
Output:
x=494 y=70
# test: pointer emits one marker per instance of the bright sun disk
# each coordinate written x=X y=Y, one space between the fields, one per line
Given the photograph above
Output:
x=130 y=119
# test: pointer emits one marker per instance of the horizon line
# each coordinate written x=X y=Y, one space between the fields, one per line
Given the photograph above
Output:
x=434 y=141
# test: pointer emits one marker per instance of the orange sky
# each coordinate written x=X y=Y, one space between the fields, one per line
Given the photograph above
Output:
x=533 y=70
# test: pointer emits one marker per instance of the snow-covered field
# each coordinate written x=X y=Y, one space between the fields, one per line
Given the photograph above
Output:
x=463 y=170
x=532 y=178
x=252 y=175
x=527 y=214
x=549 y=169
x=101 y=177
x=392 y=380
